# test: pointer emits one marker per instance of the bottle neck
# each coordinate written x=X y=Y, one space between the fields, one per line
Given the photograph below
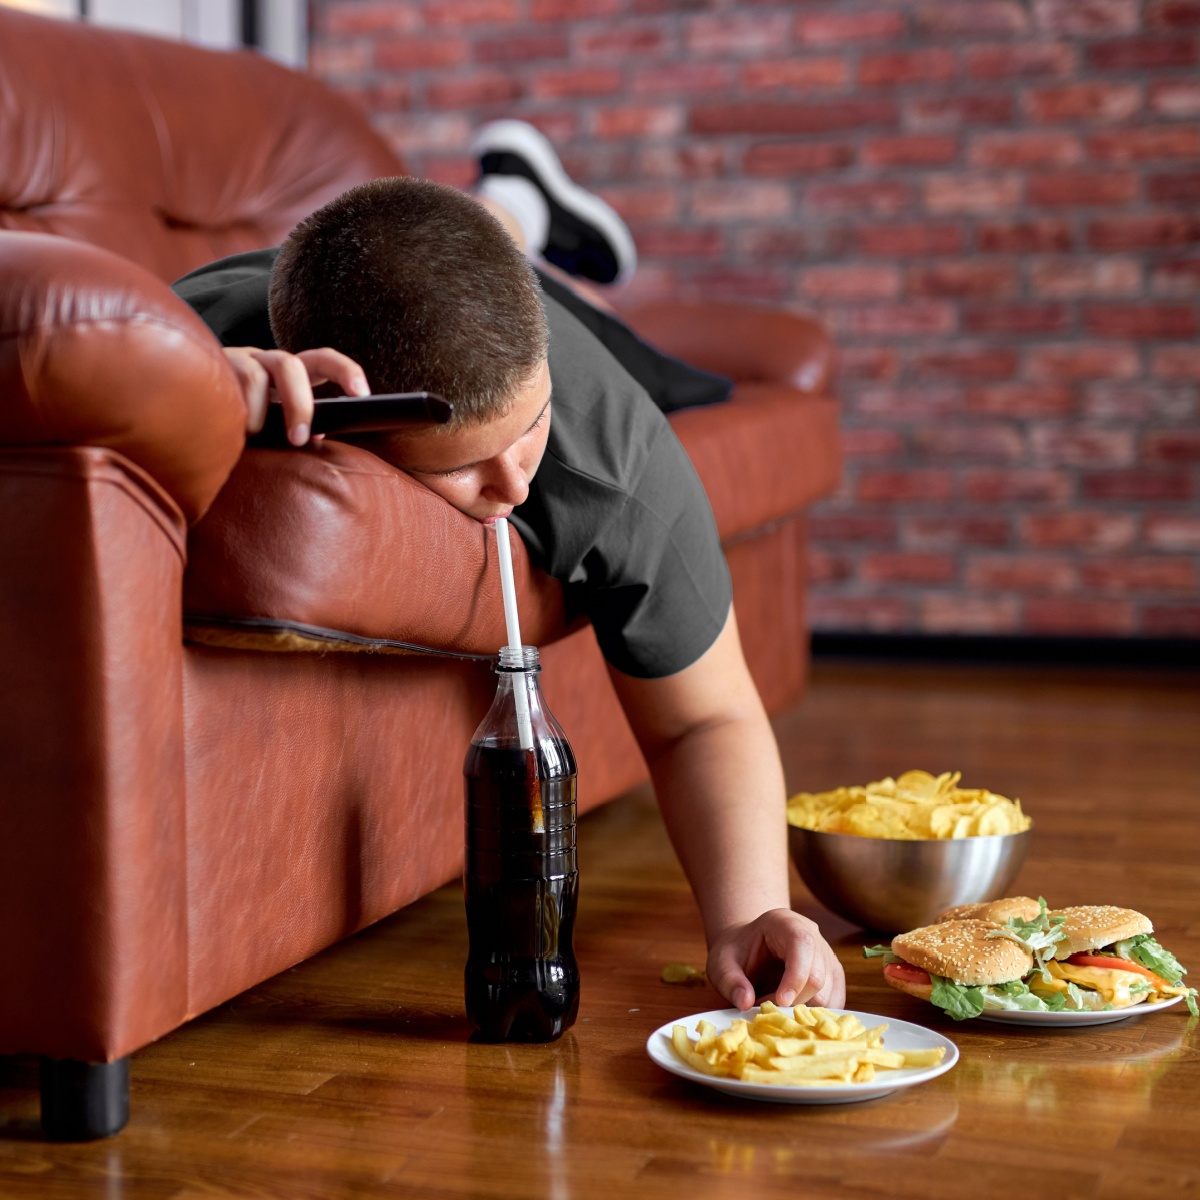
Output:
x=518 y=658
x=518 y=714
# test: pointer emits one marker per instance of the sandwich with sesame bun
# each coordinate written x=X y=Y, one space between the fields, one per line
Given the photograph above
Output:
x=959 y=966
x=1024 y=908
x=1112 y=952
x=1069 y=960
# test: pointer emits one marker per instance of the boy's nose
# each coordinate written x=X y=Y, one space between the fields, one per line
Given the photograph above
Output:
x=506 y=482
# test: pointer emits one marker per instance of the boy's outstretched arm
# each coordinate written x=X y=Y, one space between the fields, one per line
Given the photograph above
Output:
x=720 y=786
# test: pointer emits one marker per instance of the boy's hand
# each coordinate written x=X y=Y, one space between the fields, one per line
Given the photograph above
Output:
x=811 y=973
x=292 y=376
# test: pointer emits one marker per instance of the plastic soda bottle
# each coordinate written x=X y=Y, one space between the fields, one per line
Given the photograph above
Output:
x=520 y=878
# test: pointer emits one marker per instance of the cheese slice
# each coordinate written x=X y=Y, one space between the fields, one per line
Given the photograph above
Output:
x=1045 y=988
x=1113 y=985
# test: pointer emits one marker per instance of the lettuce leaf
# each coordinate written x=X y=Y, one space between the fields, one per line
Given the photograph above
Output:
x=1013 y=997
x=1057 y=1002
x=1017 y=995
x=1038 y=936
x=958 y=1001
x=1144 y=948
x=884 y=952
x=1042 y=923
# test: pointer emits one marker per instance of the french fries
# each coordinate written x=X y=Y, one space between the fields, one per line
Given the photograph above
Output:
x=917 y=805
x=806 y=1047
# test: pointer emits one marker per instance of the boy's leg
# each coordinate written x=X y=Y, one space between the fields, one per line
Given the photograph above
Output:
x=524 y=209
x=671 y=383
x=505 y=212
x=560 y=221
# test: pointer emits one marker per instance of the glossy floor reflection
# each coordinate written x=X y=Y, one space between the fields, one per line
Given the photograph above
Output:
x=352 y=1075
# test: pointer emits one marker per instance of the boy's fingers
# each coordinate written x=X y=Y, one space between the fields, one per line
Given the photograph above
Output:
x=811 y=971
x=324 y=364
x=290 y=377
x=796 y=947
x=832 y=992
x=726 y=975
x=833 y=995
x=254 y=382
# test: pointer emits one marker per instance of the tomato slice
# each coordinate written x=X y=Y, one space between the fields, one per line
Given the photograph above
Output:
x=1107 y=962
x=907 y=973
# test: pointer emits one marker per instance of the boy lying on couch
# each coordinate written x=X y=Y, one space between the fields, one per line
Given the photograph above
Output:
x=413 y=286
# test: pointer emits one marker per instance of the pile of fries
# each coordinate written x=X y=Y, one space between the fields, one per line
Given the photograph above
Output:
x=808 y=1047
x=917 y=805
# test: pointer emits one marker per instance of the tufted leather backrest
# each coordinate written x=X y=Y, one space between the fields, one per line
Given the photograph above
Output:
x=168 y=154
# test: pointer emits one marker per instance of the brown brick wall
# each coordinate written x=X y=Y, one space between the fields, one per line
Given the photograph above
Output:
x=995 y=206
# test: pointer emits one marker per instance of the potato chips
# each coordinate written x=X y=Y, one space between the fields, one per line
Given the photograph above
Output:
x=807 y=1047
x=683 y=975
x=917 y=805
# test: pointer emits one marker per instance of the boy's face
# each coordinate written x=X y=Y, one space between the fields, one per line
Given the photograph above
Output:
x=483 y=470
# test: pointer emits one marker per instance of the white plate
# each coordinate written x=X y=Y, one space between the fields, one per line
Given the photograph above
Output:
x=1063 y=1020
x=900 y=1035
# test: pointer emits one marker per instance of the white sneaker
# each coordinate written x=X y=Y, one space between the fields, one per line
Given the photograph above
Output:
x=585 y=236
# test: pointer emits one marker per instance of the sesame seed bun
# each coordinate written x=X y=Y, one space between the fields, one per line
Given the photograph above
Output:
x=1000 y=911
x=962 y=951
x=1090 y=926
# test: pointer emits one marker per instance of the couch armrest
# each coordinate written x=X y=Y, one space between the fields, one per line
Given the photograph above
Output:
x=94 y=351
x=746 y=344
x=93 y=859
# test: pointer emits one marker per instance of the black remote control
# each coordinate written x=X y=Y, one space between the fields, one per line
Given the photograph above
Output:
x=359 y=414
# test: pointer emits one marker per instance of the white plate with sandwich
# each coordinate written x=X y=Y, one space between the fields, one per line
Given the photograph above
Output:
x=1015 y=961
x=896 y=1039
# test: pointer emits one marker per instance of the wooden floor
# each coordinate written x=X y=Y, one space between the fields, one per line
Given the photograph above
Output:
x=351 y=1076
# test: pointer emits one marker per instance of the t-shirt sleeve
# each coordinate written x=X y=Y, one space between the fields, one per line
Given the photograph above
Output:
x=659 y=590
x=231 y=296
x=619 y=515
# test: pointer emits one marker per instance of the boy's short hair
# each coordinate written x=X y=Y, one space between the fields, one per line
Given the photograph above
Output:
x=418 y=284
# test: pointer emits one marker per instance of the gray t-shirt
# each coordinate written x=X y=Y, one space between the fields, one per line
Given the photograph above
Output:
x=616 y=511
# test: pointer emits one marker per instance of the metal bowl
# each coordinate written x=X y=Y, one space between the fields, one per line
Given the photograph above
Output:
x=894 y=886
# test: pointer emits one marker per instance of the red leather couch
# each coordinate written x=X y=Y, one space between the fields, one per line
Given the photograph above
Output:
x=223 y=746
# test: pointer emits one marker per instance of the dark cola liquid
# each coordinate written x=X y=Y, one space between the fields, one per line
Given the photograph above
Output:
x=521 y=883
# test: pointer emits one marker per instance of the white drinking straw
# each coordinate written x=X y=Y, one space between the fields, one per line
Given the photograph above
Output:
x=509 y=591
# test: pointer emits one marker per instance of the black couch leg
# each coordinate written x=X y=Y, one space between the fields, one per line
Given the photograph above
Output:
x=82 y=1101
